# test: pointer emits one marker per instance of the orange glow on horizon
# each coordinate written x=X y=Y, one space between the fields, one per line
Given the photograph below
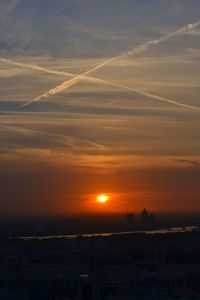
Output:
x=102 y=198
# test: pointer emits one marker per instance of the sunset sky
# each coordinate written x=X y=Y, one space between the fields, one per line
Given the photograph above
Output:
x=133 y=134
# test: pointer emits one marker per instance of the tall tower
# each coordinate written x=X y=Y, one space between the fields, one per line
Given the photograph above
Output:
x=144 y=216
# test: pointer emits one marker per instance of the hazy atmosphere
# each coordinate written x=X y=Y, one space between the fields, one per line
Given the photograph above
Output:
x=99 y=97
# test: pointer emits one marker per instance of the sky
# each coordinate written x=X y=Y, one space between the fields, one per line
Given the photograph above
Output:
x=97 y=97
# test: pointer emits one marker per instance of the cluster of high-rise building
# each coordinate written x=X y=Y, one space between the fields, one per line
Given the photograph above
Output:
x=146 y=219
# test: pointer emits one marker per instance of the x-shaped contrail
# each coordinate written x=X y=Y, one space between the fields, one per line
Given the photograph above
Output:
x=84 y=76
x=96 y=80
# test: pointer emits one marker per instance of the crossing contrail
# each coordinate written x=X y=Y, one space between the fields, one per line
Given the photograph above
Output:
x=50 y=71
x=136 y=50
x=141 y=92
x=97 y=80
x=46 y=70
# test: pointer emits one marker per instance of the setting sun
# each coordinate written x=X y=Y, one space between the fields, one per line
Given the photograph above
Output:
x=102 y=198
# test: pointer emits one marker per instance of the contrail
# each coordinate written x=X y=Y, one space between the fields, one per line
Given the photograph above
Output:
x=138 y=91
x=46 y=70
x=34 y=67
x=97 y=80
x=153 y=96
x=136 y=50
x=50 y=71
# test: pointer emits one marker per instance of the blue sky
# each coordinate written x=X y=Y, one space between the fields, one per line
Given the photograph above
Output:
x=94 y=128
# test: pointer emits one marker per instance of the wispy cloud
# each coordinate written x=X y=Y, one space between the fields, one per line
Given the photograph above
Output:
x=96 y=80
x=189 y=161
x=136 y=50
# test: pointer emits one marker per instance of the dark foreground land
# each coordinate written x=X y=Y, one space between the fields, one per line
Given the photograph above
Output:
x=120 y=267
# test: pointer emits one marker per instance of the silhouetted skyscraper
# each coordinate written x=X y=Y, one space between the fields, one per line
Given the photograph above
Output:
x=144 y=216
